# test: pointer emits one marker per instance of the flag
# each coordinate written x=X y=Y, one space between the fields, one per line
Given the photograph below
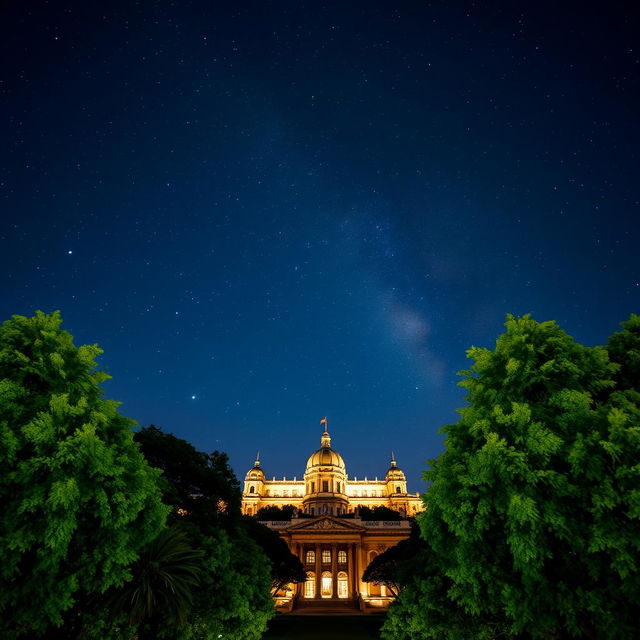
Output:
x=323 y=421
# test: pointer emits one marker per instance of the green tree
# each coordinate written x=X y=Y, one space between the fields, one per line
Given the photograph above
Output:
x=379 y=513
x=424 y=610
x=528 y=519
x=161 y=592
x=233 y=599
x=285 y=567
x=78 y=499
x=273 y=512
x=624 y=349
x=395 y=567
x=202 y=485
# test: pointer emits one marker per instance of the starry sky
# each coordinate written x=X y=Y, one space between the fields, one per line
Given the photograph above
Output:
x=269 y=212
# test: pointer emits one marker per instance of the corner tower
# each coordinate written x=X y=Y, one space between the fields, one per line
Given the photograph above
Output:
x=254 y=483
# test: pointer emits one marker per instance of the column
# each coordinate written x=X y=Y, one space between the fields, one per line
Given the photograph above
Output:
x=296 y=550
x=359 y=563
x=356 y=568
x=351 y=581
x=318 y=571
x=334 y=569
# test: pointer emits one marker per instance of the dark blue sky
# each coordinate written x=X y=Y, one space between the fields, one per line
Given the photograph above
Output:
x=266 y=213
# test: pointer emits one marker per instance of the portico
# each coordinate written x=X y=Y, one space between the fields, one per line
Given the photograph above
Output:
x=335 y=552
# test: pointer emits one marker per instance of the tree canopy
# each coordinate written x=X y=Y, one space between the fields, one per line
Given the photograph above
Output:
x=233 y=598
x=285 y=567
x=533 y=517
x=78 y=498
x=379 y=513
x=201 y=487
x=394 y=567
x=274 y=512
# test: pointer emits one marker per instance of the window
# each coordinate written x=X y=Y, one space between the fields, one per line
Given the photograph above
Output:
x=325 y=485
x=338 y=487
x=326 y=556
x=327 y=584
x=313 y=487
x=252 y=489
x=310 y=557
x=313 y=511
x=343 y=585
x=398 y=490
x=310 y=585
x=342 y=557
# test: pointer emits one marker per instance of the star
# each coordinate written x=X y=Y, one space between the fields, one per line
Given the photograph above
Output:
x=193 y=397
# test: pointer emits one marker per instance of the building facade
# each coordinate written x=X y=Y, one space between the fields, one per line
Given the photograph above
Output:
x=334 y=544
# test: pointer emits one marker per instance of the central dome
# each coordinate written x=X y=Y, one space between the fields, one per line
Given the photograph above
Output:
x=325 y=456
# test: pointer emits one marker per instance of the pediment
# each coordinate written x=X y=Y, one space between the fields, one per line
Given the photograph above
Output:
x=325 y=523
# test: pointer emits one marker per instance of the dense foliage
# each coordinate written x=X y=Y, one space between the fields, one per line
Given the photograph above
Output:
x=233 y=599
x=533 y=519
x=78 y=499
x=285 y=567
x=161 y=591
x=394 y=567
x=274 y=512
x=378 y=513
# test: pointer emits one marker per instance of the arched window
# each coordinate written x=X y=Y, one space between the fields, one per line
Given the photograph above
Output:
x=252 y=489
x=310 y=585
x=342 y=557
x=327 y=584
x=310 y=557
x=343 y=585
x=398 y=490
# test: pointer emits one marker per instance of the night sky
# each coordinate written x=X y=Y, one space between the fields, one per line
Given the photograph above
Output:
x=270 y=212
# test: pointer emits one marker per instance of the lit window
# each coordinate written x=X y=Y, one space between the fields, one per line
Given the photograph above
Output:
x=311 y=557
x=310 y=585
x=327 y=584
x=342 y=557
x=326 y=556
x=343 y=585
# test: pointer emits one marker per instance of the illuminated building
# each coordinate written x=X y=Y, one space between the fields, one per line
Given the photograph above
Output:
x=334 y=544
